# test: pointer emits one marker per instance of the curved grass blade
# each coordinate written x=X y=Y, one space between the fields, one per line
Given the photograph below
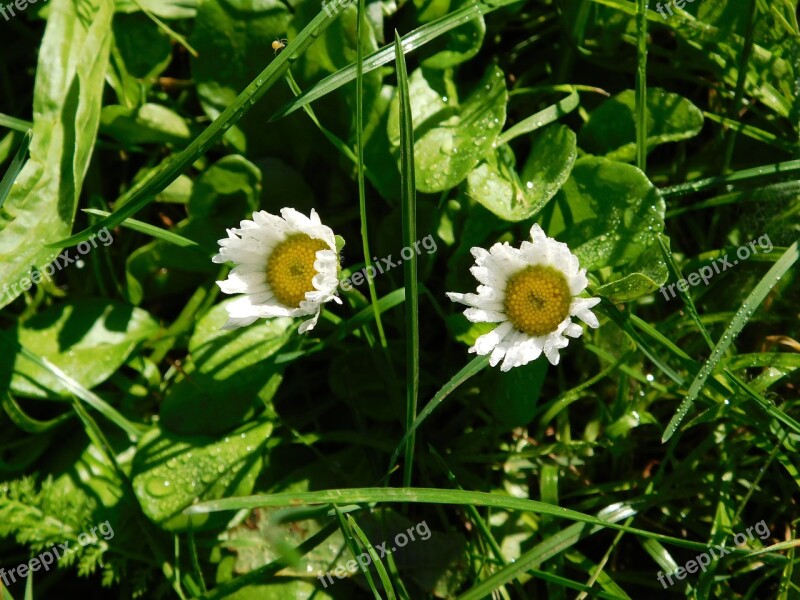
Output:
x=738 y=322
x=782 y=169
x=141 y=194
x=476 y=365
x=16 y=166
x=408 y=199
x=432 y=496
x=25 y=422
x=385 y=55
x=540 y=119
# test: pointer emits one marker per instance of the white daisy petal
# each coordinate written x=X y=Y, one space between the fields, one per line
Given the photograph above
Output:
x=478 y=315
x=523 y=289
x=273 y=265
x=487 y=342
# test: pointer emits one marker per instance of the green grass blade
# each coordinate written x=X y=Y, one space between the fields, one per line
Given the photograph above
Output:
x=641 y=84
x=476 y=365
x=25 y=422
x=16 y=124
x=16 y=166
x=152 y=231
x=415 y=39
x=783 y=170
x=141 y=194
x=737 y=324
x=432 y=496
x=540 y=119
x=362 y=192
x=379 y=566
x=346 y=527
x=408 y=198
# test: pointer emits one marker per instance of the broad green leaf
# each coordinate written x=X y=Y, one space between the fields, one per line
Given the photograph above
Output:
x=228 y=376
x=172 y=472
x=515 y=197
x=149 y=124
x=611 y=129
x=456 y=46
x=607 y=212
x=88 y=339
x=66 y=106
x=450 y=138
x=645 y=275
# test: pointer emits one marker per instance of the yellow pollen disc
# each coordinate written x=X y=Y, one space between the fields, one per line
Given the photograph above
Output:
x=290 y=268
x=537 y=300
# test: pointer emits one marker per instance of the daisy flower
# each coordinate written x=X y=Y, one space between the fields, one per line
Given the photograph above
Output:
x=531 y=292
x=286 y=266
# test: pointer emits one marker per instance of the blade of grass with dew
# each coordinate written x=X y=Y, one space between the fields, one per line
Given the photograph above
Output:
x=738 y=322
x=429 y=496
x=15 y=167
x=345 y=526
x=641 y=85
x=412 y=40
x=476 y=365
x=151 y=230
x=408 y=199
x=540 y=119
x=141 y=194
x=379 y=566
x=362 y=192
x=779 y=170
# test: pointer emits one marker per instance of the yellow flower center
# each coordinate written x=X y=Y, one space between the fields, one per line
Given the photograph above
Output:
x=537 y=300
x=290 y=268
